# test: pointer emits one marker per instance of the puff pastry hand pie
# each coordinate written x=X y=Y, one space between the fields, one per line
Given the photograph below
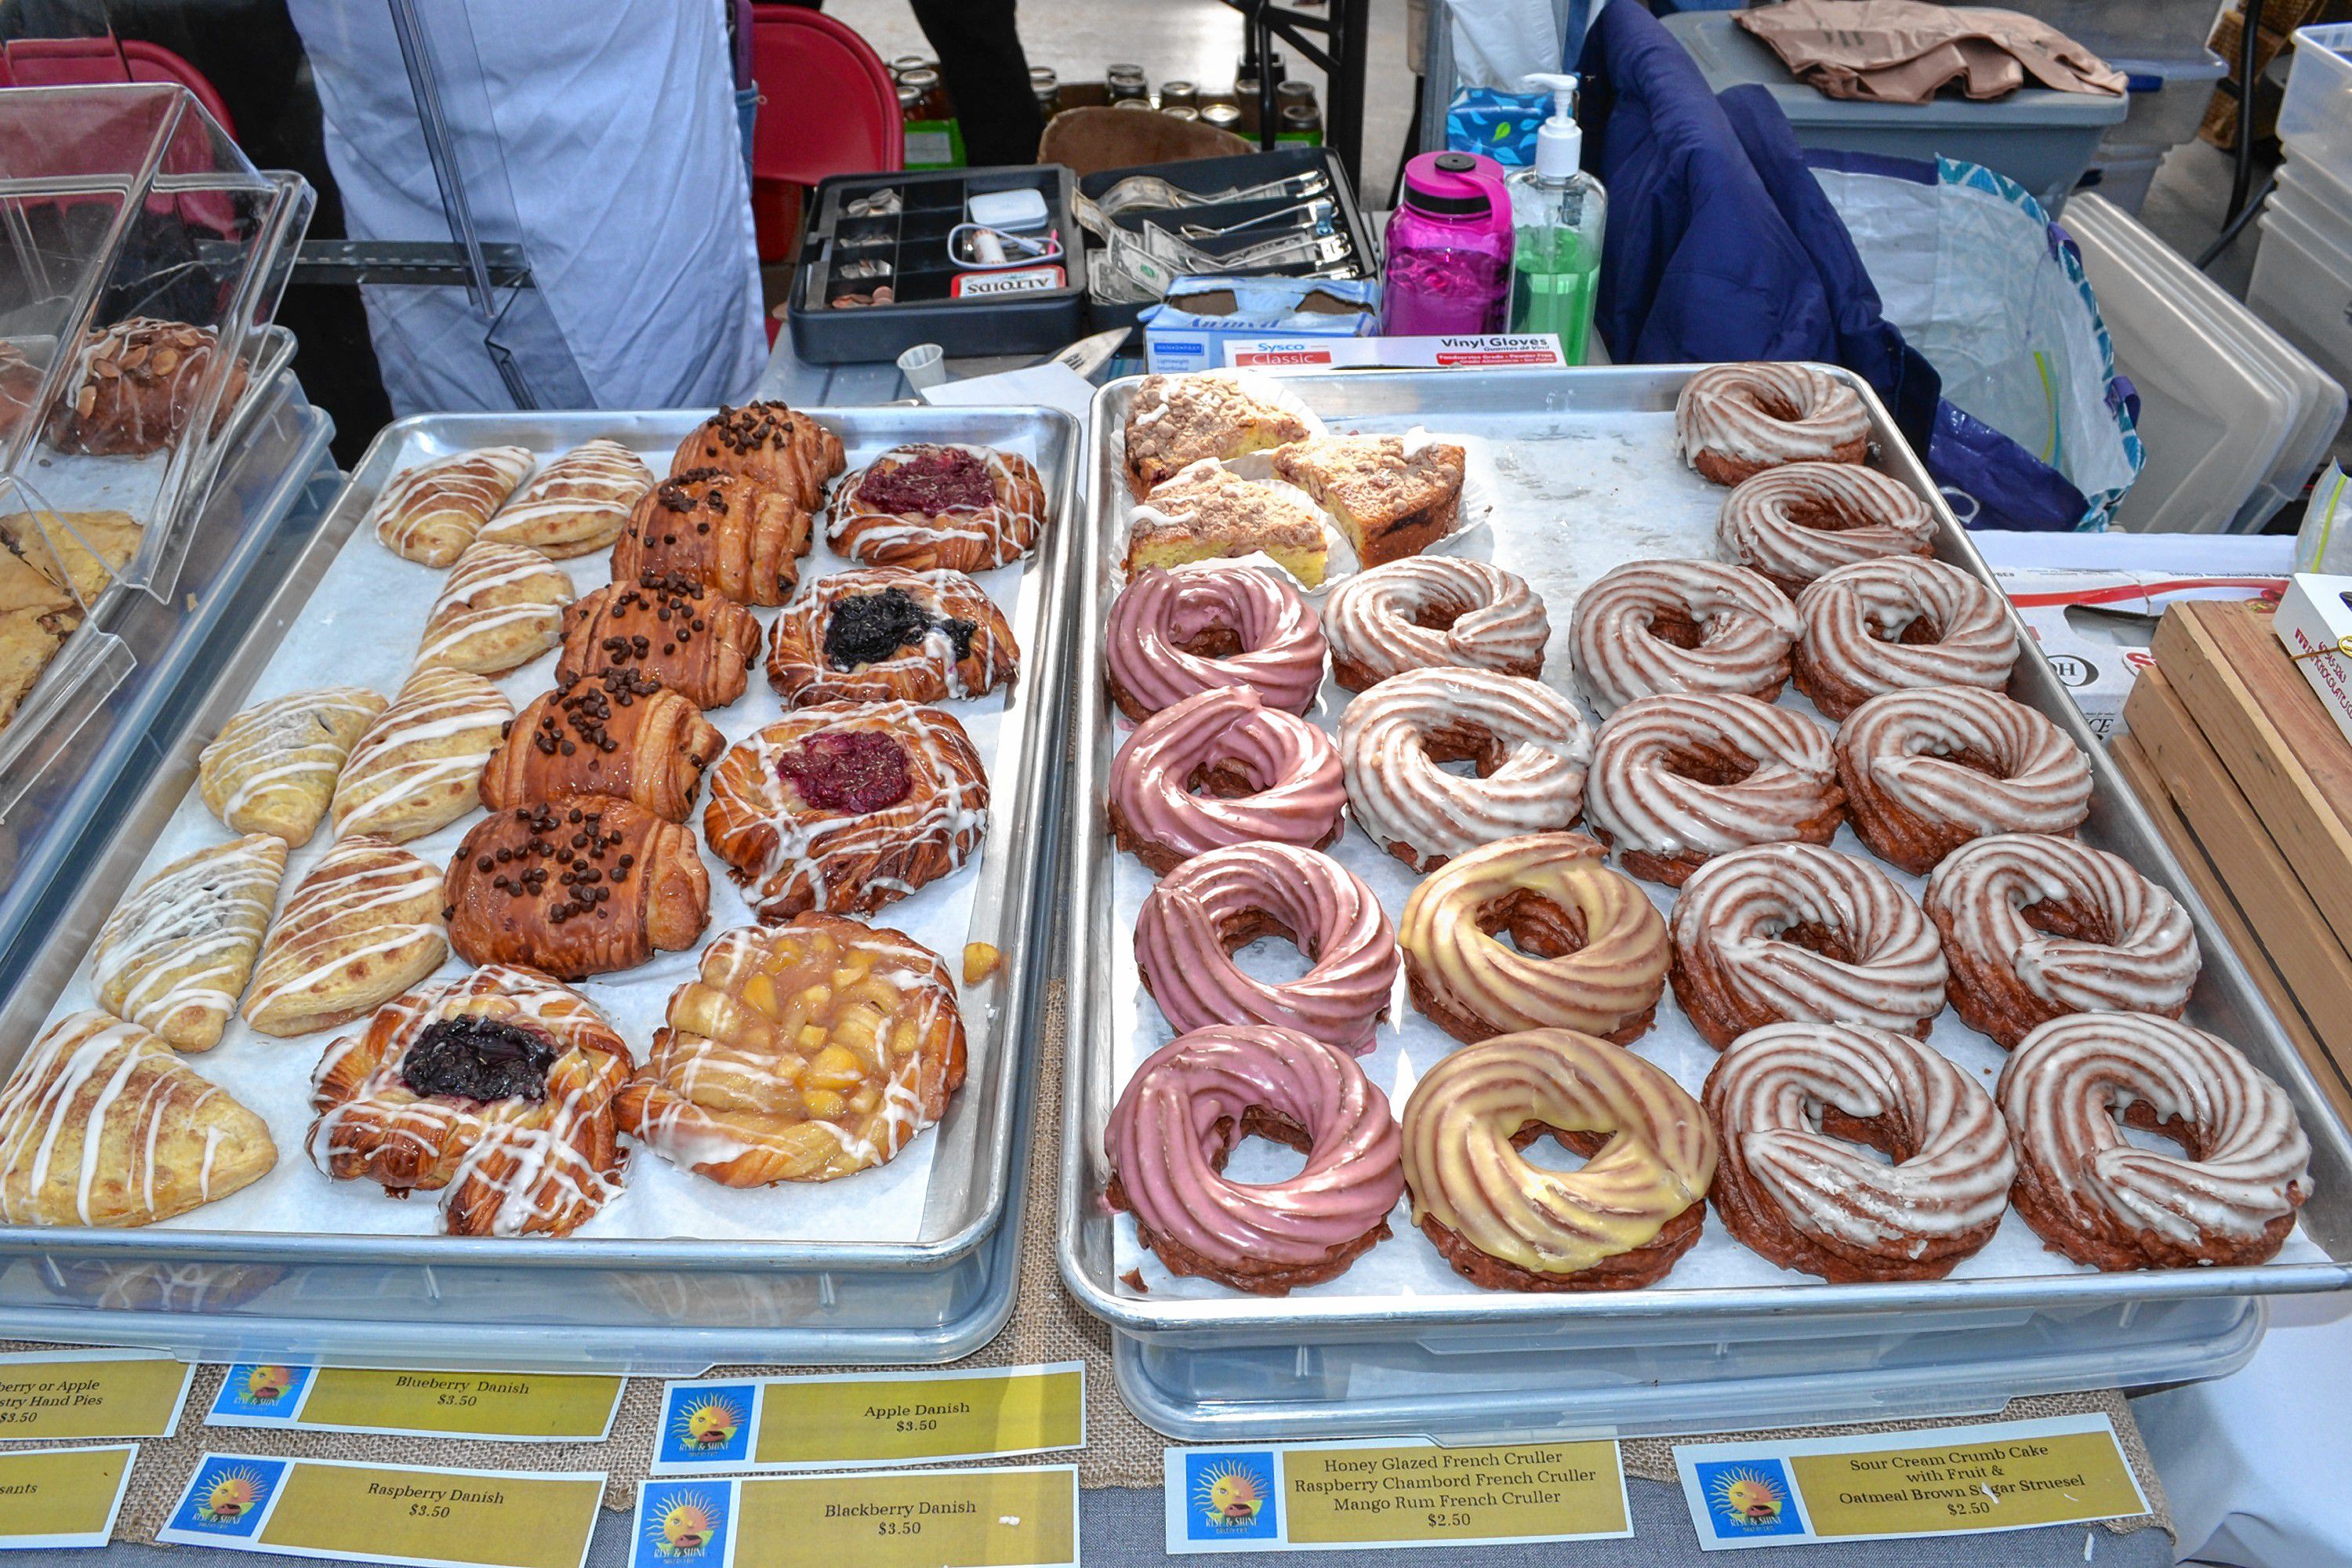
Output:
x=576 y=888
x=429 y=514
x=501 y=608
x=272 y=768
x=577 y=503
x=174 y=957
x=419 y=766
x=845 y=807
x=801 y=1054
x=364 y=926
x=620 y=735
x=102 y=1123
x=495 y=1091
x=770 y=443
x=695 y=640
x=883 y=633
x=741 y=536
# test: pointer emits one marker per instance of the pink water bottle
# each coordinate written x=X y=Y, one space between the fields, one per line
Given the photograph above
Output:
x=1449 y=250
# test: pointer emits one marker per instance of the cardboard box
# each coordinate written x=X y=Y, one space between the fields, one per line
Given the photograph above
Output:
x=1189 y=329
x=2315 y=616
x=2095 y=628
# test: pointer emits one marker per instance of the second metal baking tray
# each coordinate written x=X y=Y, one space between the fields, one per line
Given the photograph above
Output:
x=647 y=1302
x=1590 y=440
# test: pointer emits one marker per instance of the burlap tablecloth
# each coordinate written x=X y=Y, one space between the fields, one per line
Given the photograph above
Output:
x=1046 y=1326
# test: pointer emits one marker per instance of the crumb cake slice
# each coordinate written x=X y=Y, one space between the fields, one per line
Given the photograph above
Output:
x=1392 y=498
x=1176 y=421
x=1207 y=512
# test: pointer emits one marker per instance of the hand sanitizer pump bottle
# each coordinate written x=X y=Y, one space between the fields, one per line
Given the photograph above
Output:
x=1558 y=211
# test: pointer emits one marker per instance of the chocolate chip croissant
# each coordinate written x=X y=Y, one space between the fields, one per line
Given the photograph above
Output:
x=695 y=640
x=496 y=1090
x=768 y=442
x=620 y=735
x=740 y=535
x=582 y=887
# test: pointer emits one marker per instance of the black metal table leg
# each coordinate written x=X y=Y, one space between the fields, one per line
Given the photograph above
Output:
x=1335 y=45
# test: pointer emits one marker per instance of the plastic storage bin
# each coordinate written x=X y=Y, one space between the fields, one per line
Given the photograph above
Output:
x=2316 y=114
x=2122 y=178
x=2303 y=192
x=2235 y=419
x=2117 y=30
x=2168 y=100
x=2043 y=139
x=2303 y=287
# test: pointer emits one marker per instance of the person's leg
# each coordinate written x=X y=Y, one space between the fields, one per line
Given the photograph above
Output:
x=987 y=75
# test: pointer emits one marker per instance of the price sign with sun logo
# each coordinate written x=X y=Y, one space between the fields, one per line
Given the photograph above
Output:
x=712 y=1424
x=1231 y=1497
x=229 y=1495
x=1750 y=1500
x=684 y=1523
x=256 y=1391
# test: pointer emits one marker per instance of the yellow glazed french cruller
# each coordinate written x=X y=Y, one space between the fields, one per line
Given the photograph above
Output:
x=1506 y=1223
x=1590 y=950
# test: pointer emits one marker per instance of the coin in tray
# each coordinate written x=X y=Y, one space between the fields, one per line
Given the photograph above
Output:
x=1392 y=496
x=801 y=1052
x=1176 y=421
x=1209 y=512
x=578 y=887
x=496 y=1090
x=429 y=514
x=883 y=633
x=933 y=505
x=732 y=533
x=694 y=640
x=102 y=1123
x=846 y=806
x=769 y=442
x=578 y=503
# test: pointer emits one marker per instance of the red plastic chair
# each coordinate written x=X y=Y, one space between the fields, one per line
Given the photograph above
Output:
x=828 y=106
x=79 y=62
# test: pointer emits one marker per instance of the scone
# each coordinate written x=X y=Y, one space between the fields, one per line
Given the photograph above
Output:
x=1391 y=498
x=102 y=1123
x=82 y=550
x=1207 y=511
x=419 y=764
x=501 y=608
x=577 y=503
x=429 y=514
x=35 y=617
x=272 y=768
x=1176 y=421
x=364 y=926
x=174 y=957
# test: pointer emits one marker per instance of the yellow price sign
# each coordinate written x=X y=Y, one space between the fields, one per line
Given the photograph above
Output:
x=328 y=1508
x=862 y=1419
x=2000 y=1475
x=996 y=1518
x=62 y=1497
x=505 y=1407
x=51 y=1396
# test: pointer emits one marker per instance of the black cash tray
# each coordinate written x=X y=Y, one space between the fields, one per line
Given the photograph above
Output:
x=914 y=242
x=1237 y=173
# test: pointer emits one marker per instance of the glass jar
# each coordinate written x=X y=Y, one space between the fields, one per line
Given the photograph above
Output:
x=1127 y=82
x=1223 y=116
x=1046 y=84
x=1301 y=125
x=1179 y=111
x=932 y=91
x=1179 y=95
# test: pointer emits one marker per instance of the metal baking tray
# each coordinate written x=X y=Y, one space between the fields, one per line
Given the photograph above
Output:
x=656 y=1304
x=1518 y=411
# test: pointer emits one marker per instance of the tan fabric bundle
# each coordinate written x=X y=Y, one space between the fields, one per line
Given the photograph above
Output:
x=1904 y=51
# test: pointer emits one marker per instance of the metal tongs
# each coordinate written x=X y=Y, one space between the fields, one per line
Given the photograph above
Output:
x=1151 y=192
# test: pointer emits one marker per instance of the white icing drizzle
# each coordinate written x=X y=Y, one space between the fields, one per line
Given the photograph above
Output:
x=273 y=765
x=1531 y=778
x=1746 y=627
x=586 y=494
x=434 y=508
x=1901 y=744
x=1734 y=909
x=2063 y=1087
x=174 y=956
x=1980 y=893
x=930 y=664
x=502 y=606
x=542 y=1166
x=1803 y=520
x=1639 y=793
x=1766 y=1097
x=791 y=856
x=1374 y=618
x=364 y=901
x=1003 y=532
x=418 y=765
x=1723 y=409
x=1853 y=617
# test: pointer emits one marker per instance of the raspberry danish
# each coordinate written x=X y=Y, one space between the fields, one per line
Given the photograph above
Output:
x=930 y=507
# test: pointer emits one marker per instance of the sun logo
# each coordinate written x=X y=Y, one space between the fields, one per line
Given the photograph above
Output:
x=707 y=1424
x=1229 y=1495
x=685 y=1529
x=264 y=1385
x=233 y=1495
x=1747 y=1497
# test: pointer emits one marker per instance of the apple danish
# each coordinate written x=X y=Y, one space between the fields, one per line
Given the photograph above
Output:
x=803 y=1053
x=496 y=1090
